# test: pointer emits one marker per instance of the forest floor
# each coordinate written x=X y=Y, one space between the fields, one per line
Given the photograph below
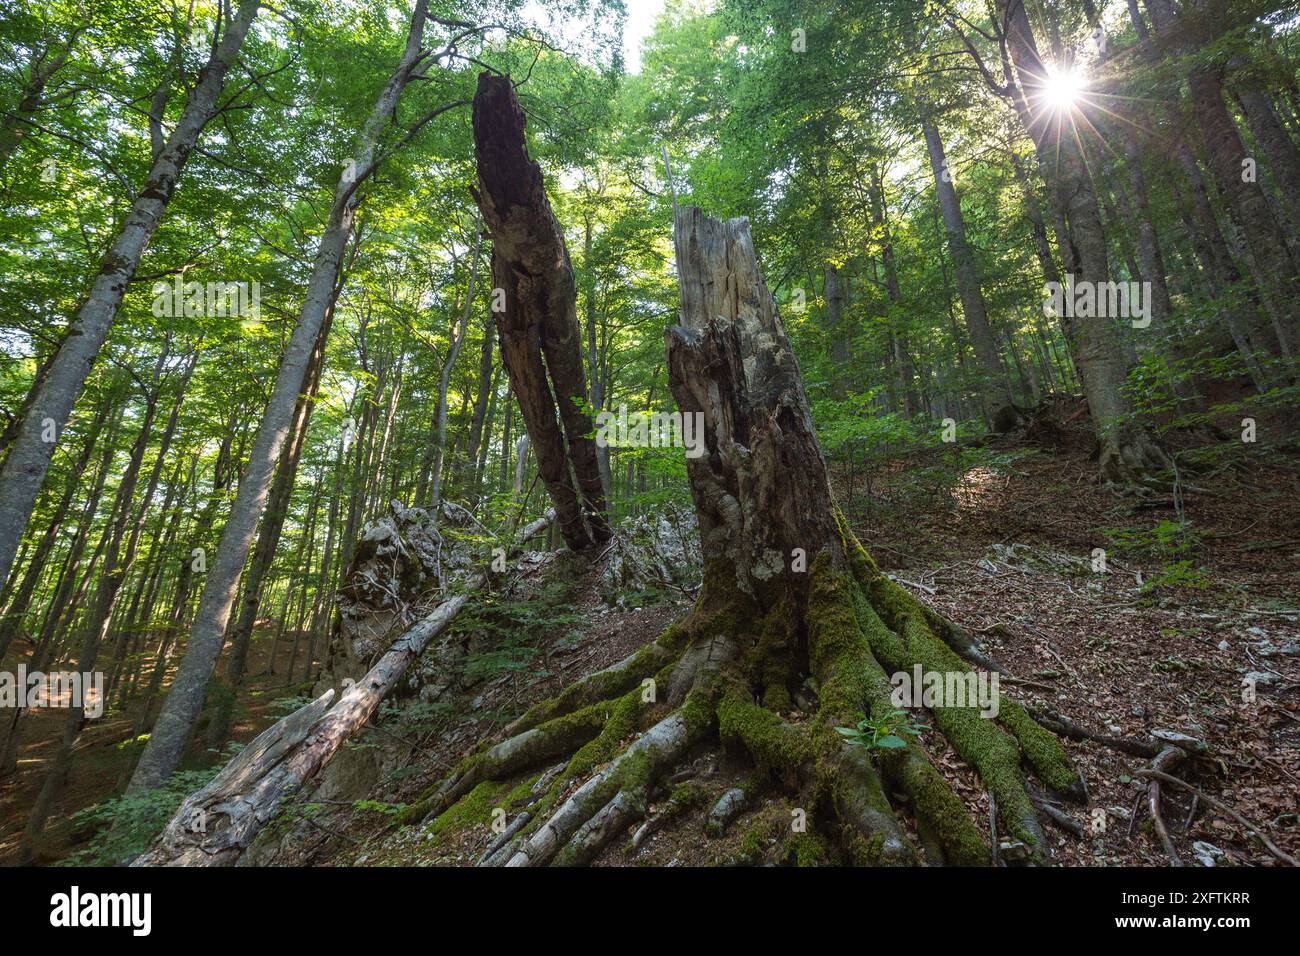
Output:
x=1200 y=591
x=104 y=754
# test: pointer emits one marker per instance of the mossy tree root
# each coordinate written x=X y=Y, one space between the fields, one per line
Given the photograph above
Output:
x=583 y=717
x=617 y=793
x=855 y=626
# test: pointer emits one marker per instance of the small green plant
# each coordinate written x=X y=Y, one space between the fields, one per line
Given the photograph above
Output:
x=1182 y=574
x=378 y=806
x=882 y=733
x=125 y=826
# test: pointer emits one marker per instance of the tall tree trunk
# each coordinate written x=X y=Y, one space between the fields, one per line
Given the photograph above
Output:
x=21 y=598
x=788 y=594
x=188 y=691
x=241 y=635
x=833 y=292
x=1001 y=407
x=28 y=457
x=453 y=352
x=1265 y=240
x=902 y=353
x=1127 y=453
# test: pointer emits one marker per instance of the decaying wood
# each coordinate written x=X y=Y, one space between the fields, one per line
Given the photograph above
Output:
x=538 y=326
x=216 y=824
x=760 y=489
x=1167 y=759
x=1251 y=826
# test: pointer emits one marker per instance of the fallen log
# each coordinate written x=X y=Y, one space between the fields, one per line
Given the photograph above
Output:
x=216 y=824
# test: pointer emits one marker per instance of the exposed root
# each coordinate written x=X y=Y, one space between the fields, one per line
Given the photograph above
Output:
x=853 y=627
x=621 y=788
x=872 y=832
x=1252 y=827
x=613 y=681
x=684 y=797
x=1166 y=761
x=730 y=805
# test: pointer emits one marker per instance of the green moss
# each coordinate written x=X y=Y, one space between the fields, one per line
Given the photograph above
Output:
x=752 y=845
x=862 y=851
x=622 y=721
x=697 y=710
x=807 y=849
x=837 y=651
x=604 y=685
x=473 y=809
x=768 y=660
x=852 y=680
x=1041 y=747
x=773 y=743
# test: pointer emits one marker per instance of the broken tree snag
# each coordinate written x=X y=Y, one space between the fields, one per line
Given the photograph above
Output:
x=761 y=490
x=791 y=609
x=538 y=327
x=216 y=824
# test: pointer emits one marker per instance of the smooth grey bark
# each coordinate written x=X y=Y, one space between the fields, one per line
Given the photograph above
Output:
x=1127 y=453
x=180 y=710
x=20 y=601
x=117 y=561
x=1002 y=408
x=444 y=376
x=28 y=458
x=240 y=636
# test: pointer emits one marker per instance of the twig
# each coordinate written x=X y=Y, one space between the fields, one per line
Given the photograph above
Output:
x=1168 y=757
x=1253 y=827
x=993 y=829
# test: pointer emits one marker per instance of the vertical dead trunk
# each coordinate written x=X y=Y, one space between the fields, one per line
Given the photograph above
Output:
x=538 y=327
x=788 y=595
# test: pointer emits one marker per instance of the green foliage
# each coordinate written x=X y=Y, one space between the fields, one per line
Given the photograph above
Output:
x=1173 y=543
x=886 y=732
x=125 y=826
x=511 y=632
x=378 y=806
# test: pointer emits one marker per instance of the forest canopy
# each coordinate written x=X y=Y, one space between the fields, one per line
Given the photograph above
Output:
x=347 y=344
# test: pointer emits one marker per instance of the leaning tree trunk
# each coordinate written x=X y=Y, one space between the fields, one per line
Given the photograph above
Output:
x=790 y=601
x=538 y=326
x=29 y=455
x=162 y=752
x=215 y=825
